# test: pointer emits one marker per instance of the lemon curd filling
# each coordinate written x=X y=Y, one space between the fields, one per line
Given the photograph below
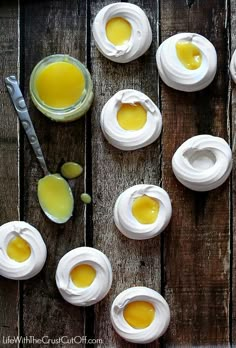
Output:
x=118 y=31
x=189 y=54
x=132 y=116
x=60 y=84
x=55 y=196
x=18 y=249
x=145 y=209
x=71 y=170
x=83 y=275
x=139 y=314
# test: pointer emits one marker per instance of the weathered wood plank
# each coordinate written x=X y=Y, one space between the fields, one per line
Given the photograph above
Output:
x=9 y=178
x=196 y=251
x=133 y=262
x=52 y=27
x=196 y=246
x=232 y=19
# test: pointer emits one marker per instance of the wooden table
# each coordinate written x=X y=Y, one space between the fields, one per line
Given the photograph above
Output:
x=192 y=263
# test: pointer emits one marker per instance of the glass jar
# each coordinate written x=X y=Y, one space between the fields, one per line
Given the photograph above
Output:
x=68 y=113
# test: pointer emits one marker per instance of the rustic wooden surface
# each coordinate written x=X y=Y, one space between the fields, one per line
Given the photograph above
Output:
x=58 y=23
x=232 y=111
x=196 y=254
x=193 y=262
x=9 y=155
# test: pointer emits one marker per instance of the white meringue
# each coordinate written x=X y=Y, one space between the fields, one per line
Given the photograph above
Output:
x=126 y=222
x=127 y=139
x=233 y=67
x=159 y=324
x=173 y=72
x=140 y=39
x=12 y=269
x=99 y=287
x=202 y=162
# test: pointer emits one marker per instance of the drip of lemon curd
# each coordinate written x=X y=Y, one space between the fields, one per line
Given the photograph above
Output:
x=60 y=84
x=145 y=209
x=118 y=31
x=189 y=54
x=132 y=116
x=71 y=170
x=83 y=275
x=55 y=196
x=139 y=314
x=18 y=249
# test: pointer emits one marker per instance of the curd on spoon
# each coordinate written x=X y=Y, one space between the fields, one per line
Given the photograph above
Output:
x=55 y=198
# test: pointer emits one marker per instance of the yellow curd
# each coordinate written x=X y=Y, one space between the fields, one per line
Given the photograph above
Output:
x=18 y=249
x=132 y=116
x=139 y=314
x=55 y=197
x=189 y=55
x=60 y=84
x=145 y=209
x=83 y=275
x=118 y=31
x=61 y=88
x=71 y=170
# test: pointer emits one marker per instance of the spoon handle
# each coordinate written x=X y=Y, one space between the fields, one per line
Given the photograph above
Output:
x=23 y=114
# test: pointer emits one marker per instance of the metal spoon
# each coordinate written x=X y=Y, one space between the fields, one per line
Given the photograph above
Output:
x=23 y=114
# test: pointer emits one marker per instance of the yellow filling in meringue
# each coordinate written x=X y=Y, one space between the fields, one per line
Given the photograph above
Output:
x=118 y=31
x=189 y=55
x=18 y=249
x=139 y=314
x=145 y=209
x=132 y=116
x=83 y=275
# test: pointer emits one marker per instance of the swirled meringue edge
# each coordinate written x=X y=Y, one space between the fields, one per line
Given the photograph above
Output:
x=175 y=75
x=141 y=36
x=21 y=270
x=198 y=179
x=130 y=140
x=156 y=329
x=126 y=222
x=99 y=287
x=232 y=67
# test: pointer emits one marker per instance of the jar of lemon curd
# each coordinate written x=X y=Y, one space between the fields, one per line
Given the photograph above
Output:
x=61 y=88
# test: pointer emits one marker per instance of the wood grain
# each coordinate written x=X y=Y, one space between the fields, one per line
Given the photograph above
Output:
x=52 y=27
x=196 y=246
x=9 y=178
x=232 y=20
x=134 y=262
x=190 y=262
